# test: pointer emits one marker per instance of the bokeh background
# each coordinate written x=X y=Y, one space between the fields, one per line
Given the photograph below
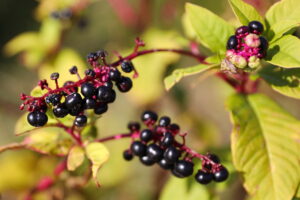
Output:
x=63 y=32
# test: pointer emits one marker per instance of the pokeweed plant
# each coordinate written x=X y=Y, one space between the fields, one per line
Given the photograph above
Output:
x=265 y=138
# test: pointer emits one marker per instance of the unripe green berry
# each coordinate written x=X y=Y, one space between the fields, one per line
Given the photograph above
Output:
x=254 y=62
x=239 y=61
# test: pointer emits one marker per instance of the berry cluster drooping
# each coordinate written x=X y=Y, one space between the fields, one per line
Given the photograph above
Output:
x=157 y=144
x=94 y=91
x=247 y=47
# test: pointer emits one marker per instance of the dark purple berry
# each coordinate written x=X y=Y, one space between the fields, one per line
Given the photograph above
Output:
x=80 y=120
x=124 y=84
x=174 y=128
x=127 y=155
x=184 y=168
x=146 y=135
x=155 y=152
x=263 y=44
x=172 y=154
x=114 y=74
x=164 y=121
x=134 y=126
x=164 y=164
x=108 y=84
x=76 y=110
x=176 y=173
x=214 y=158
x=232 y=42
x=90 y=73
x=53 y=99
x=54 y=76
x=37 y=118
x=92 y=57
x=105 y=94
x=203 y=177
x=256 y=27
x=138 y=148
x=73 y=70
x=127 y=66
x=221 y=175
x=100 y=108
x=242 y=30
x=88 y=89
x=146 y=160
x=89 y=103
x=60 y=111
x=168 y=139
x=149 y=116
x=74 y=103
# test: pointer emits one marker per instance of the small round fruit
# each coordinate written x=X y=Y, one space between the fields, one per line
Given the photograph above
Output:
x=37 y=118
x=184 y=168
x=149 y=116
x=263 y=44
x=54 y=99
x=146 y=135
x=164 y=121
x=203 y=177
x=114 y=74
x=172 y=154
x=221 y=175
x=134 y=126
x=146 y=160
x=232 y=42
x=105 y=94
x=100 y=108
x=155 y=152
x=89 y=103
x=127 y=66
x=214 y=158
x=127 y=155
x=88 y=89
x=90 y=73
x=168 y=139
x=80 y=120
x=177 y=174
x=73 y=100
x=243 y=30
x=256 y=27
x=174 y=128
x=165 y=165
x=124 y=84
x=138 y=148
x=60 y=111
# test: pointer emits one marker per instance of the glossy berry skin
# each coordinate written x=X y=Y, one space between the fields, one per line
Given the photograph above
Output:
x=164 y=121
x=80 y=120
x=256 y=27
x=214 y=158
x=149 y=116
x=232 y=42
x=174 y=128
x=172 y=154
x=138 y=148
x=221 y=175
x=89 y=103
x=105 y=94
x=108 y=84
x=76 y=110
x=165 y=165
x=177 y=174
x=73 y=100
x=127 y=66
x=168 y=139
x=90 y=73
x=53 y=99
x=114 y=75
x=60 y=111
x=37 y=118
x=243 y=30
x=146 y=160
x=134 y=126
x=100 y=109
x=127 y=155
x=124 y=84
x=184 y=168
x=203 y=177
x=88 y=90
x=263 y=44
x=155 y=152
x=146 y=135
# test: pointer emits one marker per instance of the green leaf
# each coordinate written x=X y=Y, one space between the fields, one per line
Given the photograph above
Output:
x=37 y=92
x=285 y=52
x=278 y=29
x=178 y=74
x=75 y=158
x=212 y=30
x=245 y=12
x=264 y=147
x=98 y=154
x=282 y=11
x=50 y=33
x=177 y=189
x=284 y=81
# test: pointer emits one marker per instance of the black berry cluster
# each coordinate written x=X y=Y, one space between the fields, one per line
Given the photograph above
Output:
x=157 y=144
x=247 y=47
x=94 y=91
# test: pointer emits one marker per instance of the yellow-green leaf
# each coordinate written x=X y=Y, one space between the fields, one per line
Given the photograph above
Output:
x=50 y=33
x=213 y=31
x=284 y=81
x=98 y=155
x=75 y=158
x=264 y=147
x=278 y=29
x=285 y=52
x=245 y=12
x=178 y=74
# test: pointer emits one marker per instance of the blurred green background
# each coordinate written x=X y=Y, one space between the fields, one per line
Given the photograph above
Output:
x=196 y=103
